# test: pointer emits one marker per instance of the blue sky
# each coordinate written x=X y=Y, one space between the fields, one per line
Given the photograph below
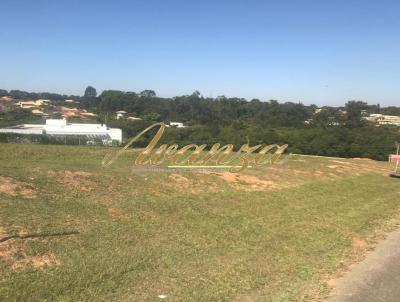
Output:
x=323 y=52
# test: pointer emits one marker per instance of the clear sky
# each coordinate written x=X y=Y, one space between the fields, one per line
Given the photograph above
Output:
x=323 y=52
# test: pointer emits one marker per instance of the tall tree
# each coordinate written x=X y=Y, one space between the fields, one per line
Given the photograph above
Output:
x=148 y=93
x=3 y=92
x=353 y=113
x=90 y=92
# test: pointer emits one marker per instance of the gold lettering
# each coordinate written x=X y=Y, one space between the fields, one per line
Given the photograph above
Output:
x=183 y=150
x=262 y=152
x=225 y=153
x=171 y=150
x=196 y=153
x=141 y=157
x=175 y=155
x=157 y=154
x=278 y=153
x=110 y=158
x=248 y=150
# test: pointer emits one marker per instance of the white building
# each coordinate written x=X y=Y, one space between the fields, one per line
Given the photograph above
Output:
x=382 y=119
x=32 y=104
x=42 y=102
x=176 y=124
x=120 y=114
x=62 y=127
x=39 y=112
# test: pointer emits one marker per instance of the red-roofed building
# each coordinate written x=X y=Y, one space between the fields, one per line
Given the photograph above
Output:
x=6 y=99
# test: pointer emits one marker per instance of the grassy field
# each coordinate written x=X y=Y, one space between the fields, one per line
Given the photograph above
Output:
x=71 y=230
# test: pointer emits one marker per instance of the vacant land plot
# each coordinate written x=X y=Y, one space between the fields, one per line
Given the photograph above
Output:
x=71 y=230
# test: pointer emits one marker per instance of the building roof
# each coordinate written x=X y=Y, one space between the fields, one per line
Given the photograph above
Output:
x=62 y=127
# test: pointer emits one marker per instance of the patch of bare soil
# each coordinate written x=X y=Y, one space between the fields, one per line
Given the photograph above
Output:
x=192 y=182
x=254 y=180
x=115 y=212
x=12 y=187
x=340 y=162
x=275 y=177
x=228 y=176
x=358 y=243
x=333 y=166
x=37 y=262
x=12 y=253
x=249 y=182
x=77 y=180
x=180 y=180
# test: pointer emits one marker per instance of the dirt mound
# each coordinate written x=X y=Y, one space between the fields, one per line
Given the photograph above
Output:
x=12 y=187
x=254 y=180
x=248 y=182
x=276 y=177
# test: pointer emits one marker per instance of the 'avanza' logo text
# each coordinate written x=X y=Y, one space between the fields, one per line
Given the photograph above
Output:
x=195 y=155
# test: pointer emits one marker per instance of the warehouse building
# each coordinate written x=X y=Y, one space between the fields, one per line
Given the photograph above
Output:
x=63 y=128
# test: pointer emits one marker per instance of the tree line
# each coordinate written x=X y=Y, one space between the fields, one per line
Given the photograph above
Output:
x=331 y=131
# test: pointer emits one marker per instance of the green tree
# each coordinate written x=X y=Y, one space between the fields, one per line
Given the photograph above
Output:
x=196 y=94
x=148 y=93
x=152 y=117
x=3 y=92
x=90 y=92
x=353 y=113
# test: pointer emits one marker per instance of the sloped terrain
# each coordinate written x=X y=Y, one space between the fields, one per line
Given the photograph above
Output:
x=71 y=230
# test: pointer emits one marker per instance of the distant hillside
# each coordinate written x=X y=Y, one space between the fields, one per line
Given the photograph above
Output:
x=345 y=131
